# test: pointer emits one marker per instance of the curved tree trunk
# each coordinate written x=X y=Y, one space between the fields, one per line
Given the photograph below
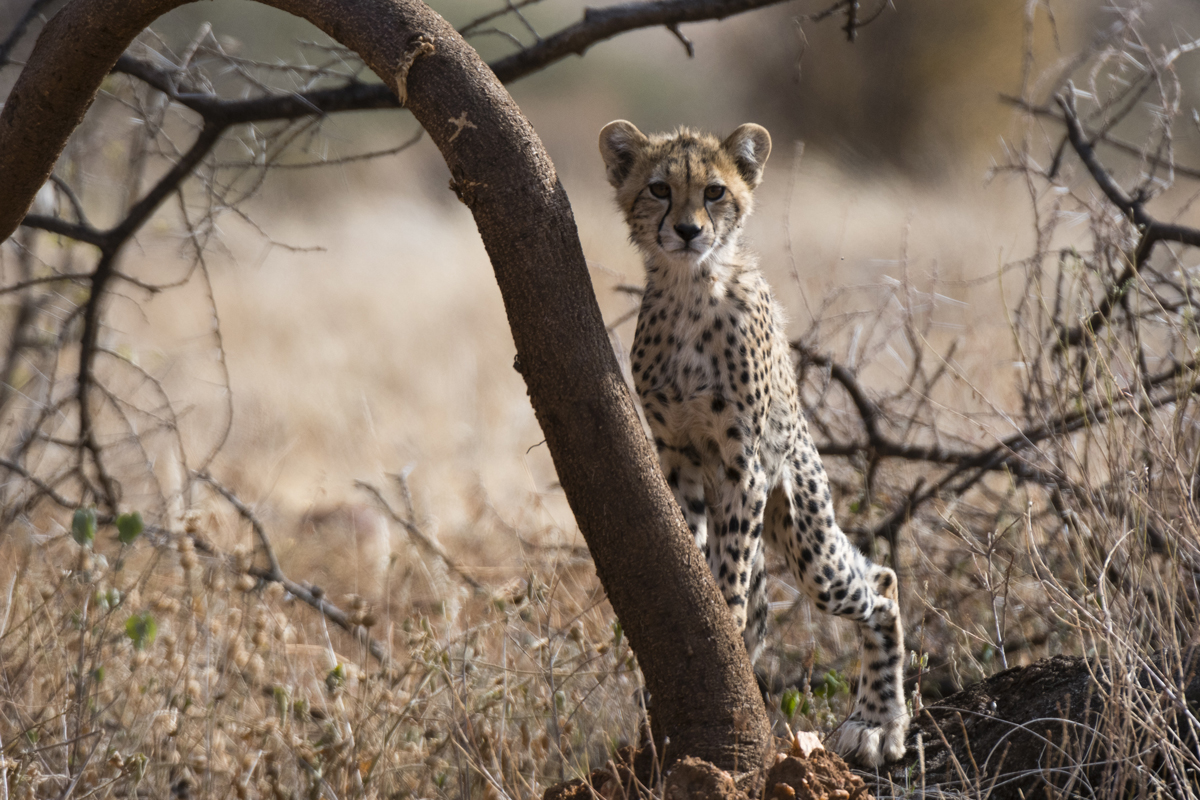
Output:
x=705 y=697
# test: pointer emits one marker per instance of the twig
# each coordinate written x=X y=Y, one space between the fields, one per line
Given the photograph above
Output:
x=19 y=29
x=41 y=485
x=509 y=8
x=416 y=533
x=72 y=198
x=77 y=277
x=273 y=573
x=1151 y=231
x=599 y=24
x=688 y=44
x=311 y=595
x=80 y=232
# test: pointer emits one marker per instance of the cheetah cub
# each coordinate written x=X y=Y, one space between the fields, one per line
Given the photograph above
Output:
x=713 y=368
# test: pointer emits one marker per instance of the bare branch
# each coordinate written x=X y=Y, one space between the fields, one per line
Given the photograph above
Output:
x=41 y=485
x=509 y=8
x=421 y=538
x=273 y=572
x=77 y=231
x=687 y=43
x=1133 y=207
x=77 y=277
x=311 y=595
x=599 y=24
x=1106 y=139
x=19 y=29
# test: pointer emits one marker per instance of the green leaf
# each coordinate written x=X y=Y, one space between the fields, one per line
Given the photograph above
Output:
x=283 y=699
x=336 y=678
x=836 y=683
x=833 y=685
x=142 y=629
x=789 y=701
x=129 y=527
x=83 y=526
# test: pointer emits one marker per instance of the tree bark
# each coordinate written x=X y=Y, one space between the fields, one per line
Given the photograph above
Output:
x=695 y=666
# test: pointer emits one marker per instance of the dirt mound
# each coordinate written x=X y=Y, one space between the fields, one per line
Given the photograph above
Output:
x=820 y=776
x=817 y=775
x=693 y=779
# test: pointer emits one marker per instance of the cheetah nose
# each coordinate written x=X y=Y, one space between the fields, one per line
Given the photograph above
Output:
x=687 y=231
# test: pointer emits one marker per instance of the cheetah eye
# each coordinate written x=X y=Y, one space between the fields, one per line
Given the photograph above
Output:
x=714 y=192
x=660 y=189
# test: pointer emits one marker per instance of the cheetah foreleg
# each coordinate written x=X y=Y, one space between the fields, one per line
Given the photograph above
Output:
x=736 y=545
x=876 y=729
x=686 y=480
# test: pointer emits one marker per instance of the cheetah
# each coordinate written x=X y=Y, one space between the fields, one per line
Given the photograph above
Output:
x=713 y=369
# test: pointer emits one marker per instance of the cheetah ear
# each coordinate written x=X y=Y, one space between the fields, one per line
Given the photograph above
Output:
x=749 y=145
x=620 y=143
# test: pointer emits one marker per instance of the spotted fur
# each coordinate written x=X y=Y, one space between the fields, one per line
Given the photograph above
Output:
x=713 y=369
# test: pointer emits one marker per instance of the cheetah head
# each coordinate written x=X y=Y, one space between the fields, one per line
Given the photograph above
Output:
x=684 y=194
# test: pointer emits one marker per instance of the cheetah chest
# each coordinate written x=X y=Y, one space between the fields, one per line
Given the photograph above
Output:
x=677 y=352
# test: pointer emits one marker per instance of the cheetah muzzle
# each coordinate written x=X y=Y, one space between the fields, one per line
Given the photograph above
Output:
x=712 y=366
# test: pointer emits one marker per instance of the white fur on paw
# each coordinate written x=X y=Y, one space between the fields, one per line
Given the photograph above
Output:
x=868 y=744
x=894 y=734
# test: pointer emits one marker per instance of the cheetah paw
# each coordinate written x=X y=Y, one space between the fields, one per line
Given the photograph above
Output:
x=870 y=744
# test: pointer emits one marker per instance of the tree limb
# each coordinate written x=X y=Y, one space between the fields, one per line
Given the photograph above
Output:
x=603 y=23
